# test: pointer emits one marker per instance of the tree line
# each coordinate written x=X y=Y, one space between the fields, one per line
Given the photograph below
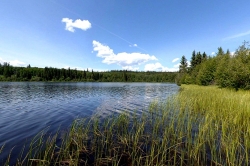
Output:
x=224 y=69
x=11 y=73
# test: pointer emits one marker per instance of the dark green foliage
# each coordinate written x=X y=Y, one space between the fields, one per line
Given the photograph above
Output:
x=10 y=73
x=183 y=65
x=224 y=69
x=193 y=60
x=197 y=58
x=204 y=56
x=84 y=74
x=206 y=72
x=220 y=52
x=183 y=69
x=223 y=72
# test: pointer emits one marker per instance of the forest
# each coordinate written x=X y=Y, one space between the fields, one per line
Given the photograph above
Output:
x=11 y=73
x=225 y=69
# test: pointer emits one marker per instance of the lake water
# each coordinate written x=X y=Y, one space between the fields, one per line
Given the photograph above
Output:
x=26 y=108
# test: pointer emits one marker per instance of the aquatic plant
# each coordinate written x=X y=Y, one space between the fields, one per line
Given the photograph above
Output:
x=198 y=126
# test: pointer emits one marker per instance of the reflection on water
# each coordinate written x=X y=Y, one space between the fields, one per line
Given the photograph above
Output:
x=28 y=107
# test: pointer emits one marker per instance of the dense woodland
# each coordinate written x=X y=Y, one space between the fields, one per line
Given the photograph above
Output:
x=224 y=69
x=11 y=73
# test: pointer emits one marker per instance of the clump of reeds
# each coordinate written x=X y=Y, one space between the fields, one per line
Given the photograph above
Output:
x=223 y=132
x=198 y=126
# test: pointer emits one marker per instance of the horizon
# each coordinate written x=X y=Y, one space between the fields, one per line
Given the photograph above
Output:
x=87 y=69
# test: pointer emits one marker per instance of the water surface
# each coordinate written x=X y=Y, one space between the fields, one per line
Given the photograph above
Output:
x=26 y=108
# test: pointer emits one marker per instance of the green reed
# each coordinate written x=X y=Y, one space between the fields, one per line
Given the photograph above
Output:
x=198 y=126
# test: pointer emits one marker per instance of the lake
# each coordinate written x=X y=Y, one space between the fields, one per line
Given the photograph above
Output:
x=27 y=108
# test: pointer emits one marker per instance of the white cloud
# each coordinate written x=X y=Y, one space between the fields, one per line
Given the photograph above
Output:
x=72 y=68
x=130 y=59
x=82 y=69
x=213 y=53
x=81 y=24
x=176 y=59
x=103 y=51
x=17 y=63
x=177 y=65
x=238 y=35
x=134 y=45
x=232 y=53
x=95 y=69
x=124 y=59
x=158 y=67
x=130 y=68
x=13 y=62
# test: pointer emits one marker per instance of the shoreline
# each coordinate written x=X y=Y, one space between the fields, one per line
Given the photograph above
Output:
x=194 y=127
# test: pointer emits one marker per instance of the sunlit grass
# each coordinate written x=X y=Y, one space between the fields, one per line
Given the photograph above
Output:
x=198 y=126
x=225 y=119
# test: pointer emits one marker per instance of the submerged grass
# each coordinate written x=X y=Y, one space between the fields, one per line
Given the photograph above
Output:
x=198 y=126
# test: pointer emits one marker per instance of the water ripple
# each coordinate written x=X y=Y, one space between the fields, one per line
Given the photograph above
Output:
x=28 y=107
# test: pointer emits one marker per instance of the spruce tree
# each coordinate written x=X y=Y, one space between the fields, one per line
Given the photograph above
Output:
x=204 y=56
x=193 y=60
x=220 y=51
x=198 y=58
x=183 y=65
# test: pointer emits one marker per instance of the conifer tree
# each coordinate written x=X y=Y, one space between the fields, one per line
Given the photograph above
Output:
x=183 y=65
x=204 y=56
x=193 y=60
x=198 y=58
x=220 y=51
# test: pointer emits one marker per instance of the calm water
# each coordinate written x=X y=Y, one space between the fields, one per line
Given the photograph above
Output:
x=28 y=107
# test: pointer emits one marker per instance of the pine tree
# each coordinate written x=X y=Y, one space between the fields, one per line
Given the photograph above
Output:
x=220 y=51
x=193 y=60
x=204 y=56
x=183 y=65
x=198 y=58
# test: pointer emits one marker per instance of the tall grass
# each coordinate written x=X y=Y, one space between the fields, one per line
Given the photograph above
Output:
x=224 y=129
x=198 y=126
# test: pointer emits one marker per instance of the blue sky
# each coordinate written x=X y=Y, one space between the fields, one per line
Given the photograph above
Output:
x=118 y=34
